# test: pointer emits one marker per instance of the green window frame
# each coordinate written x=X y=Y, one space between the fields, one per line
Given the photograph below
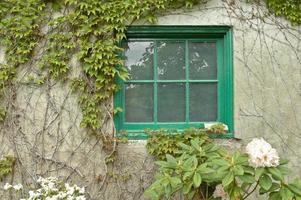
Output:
x=222 y=37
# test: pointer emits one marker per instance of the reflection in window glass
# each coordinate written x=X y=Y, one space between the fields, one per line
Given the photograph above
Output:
x=203 y=102
x=202 y=61
x=139 y=102
x=139 y=60
x=171 y=60
x=171 y=102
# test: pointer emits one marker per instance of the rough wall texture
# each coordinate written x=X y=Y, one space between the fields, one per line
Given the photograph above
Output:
x=44 y=133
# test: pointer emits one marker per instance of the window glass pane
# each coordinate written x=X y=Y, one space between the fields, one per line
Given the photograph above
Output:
x=171 y=60
x=139 y=102
x=202 y=60
x=203 y=102
x=171 y=102
x=139 y=60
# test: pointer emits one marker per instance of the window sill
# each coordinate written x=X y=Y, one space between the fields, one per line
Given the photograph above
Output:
x=138 y=135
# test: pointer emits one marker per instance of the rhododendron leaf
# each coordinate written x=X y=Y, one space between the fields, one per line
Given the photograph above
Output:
x=223 y=170
x=242 y=159
x=238 y=170
x=187 y=175
x=284 y=161
x=228 y=179
x=221 y=162
x=170 y=159
x=258 y=172
x=276 y=173
x=247 y=178
x=190 y=163
x=275 y=186
x=265 y=182
x=184 y=146
x=190 y=195
x=235 y=193
x=162 y=163
x=249 y=170
x=294 y=188
x=285 y=193
x=197 y=180
x=187 y=188
x=195 y=144
x=283 y=169
x=274 y=196
x=175 y=183
x=168 y=190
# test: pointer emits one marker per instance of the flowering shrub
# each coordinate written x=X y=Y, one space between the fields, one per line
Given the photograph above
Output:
x=203 y=170
x=51 y=189
x=261 y=154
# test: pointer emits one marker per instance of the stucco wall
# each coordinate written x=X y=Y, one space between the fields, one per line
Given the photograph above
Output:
x=44 y=131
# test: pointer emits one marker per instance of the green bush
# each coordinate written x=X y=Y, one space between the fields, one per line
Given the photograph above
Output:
x=201 y=169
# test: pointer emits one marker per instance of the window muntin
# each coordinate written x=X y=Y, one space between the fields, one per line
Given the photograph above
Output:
x=176 y=82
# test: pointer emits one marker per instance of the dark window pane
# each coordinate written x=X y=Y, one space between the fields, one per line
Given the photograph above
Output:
x=139 y=102
x=171 y=102
x=139 y=60
x=171 y=60
x=203 y=102
x=202 y=60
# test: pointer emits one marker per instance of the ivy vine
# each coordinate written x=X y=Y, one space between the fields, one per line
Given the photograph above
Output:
x=6 y=166
x=290 y=9
x=89 y=30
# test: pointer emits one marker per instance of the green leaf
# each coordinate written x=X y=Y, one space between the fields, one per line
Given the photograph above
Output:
x=205 y=170
x=228 y=179
x=247 y=178
x=197 y=180
x=195 y=144
x=238 y=170
x=190 y=163
x=294 y=188
x=258 y=172
x=284 y=161
x=220 y=162
x=162 y=163
x=285 y=193
x=265 y=182
x=175 y=182
x=187 y=187
x=188 y=175
x=190 y=195
x=275 y=186
x=242 y=159
x=276 y=173
x=274 y=196
x=171 y=160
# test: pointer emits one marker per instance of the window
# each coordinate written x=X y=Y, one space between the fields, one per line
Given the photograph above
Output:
x=181 y=76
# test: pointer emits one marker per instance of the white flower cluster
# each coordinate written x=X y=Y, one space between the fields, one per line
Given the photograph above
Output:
x=261 y=154
x=219 y=192
x=17 y=187
x=52 y=189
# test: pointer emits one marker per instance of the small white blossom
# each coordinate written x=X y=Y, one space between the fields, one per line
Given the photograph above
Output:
x=261 y=154
x=18 y=187
x=7 y=186
x=81 y=198
x=52 y=189
x=82 y=190
x=219 y=192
